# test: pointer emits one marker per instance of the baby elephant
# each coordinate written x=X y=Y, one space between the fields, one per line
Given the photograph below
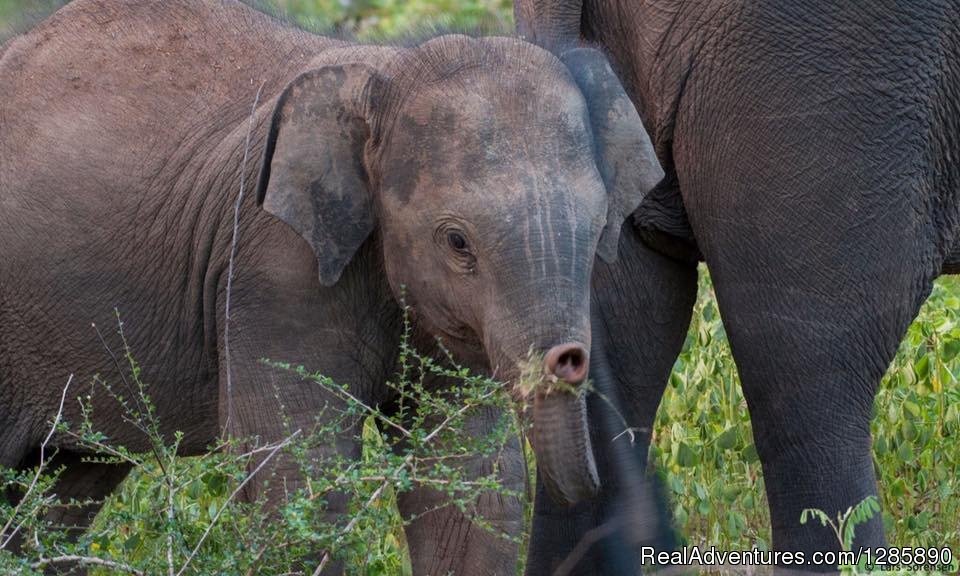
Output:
x=476 y=178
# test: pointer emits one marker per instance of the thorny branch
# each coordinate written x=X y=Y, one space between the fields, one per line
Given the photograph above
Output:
x=392 y=477
x=138 y=395
x=233 y=495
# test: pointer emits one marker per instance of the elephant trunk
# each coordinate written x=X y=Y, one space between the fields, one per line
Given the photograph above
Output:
x=560 y=435
x=547 y=315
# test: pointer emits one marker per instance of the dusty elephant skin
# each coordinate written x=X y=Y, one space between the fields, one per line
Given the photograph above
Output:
x=811 y=152
x=480 y=176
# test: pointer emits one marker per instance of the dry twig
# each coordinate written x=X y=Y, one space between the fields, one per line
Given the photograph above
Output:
x=233 y=253
x=87 y=561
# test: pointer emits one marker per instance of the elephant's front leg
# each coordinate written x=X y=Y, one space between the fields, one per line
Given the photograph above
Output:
x=443 y=539
x=280 y=312
x=642 y=307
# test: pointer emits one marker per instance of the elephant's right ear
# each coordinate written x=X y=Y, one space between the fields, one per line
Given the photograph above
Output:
x=314 y=176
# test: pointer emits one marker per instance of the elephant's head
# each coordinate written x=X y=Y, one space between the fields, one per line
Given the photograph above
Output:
x=494 y=173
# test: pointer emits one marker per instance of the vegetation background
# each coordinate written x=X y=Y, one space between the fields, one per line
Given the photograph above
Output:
x=367 y=19
x=703 y=442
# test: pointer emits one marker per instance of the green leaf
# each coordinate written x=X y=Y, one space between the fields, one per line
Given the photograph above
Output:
x=727 y=439
x=730 y=493
x=880 y=445
x=750 y=453
x=680 y=516
x=687 y=456
x=897 y=488
x=700 y=490
x=703 y=507
x=922 y=367
x=950 y=349
x=132 y=543
x=911 y=408
x=905 y=452
x=907 y=377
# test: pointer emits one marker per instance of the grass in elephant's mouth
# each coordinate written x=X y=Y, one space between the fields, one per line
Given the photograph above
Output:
x=531 y=376
x=533 y=380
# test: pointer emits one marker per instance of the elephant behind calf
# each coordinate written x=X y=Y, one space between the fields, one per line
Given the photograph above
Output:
x=478 y=176
x=811 y=157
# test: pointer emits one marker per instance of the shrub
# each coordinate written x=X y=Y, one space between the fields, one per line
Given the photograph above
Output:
x=183 y=515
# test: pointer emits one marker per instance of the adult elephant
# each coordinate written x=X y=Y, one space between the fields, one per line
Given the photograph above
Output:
x=124 y=129
x=812 y=154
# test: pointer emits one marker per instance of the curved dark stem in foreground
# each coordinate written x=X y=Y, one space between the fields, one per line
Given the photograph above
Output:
x=638 y=511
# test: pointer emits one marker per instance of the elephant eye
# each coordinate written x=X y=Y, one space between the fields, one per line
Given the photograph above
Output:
x=456 y=240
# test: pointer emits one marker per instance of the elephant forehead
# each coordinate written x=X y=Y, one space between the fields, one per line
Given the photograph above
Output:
x=465 y=142
x=499 y=201
x=523 y=107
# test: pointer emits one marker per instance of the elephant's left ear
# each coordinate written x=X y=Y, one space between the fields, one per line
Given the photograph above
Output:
x=625 y=155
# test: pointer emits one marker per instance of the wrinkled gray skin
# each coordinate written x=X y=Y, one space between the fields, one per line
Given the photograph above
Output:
x=811 y=152
x=481 y=175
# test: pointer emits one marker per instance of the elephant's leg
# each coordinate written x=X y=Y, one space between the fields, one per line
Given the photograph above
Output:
x=444 y=540
x=810 y=362
x=269 y=409
x=816 y=205
x=817 y=282
x=279 y=312
x=85 y=482
x=642 y=306
x=269 y=406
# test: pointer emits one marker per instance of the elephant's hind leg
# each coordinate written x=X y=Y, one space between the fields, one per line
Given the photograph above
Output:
x=819 y=229
x=809 y=365
x=814 y=308
x=815 y=297
x=85 y=483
